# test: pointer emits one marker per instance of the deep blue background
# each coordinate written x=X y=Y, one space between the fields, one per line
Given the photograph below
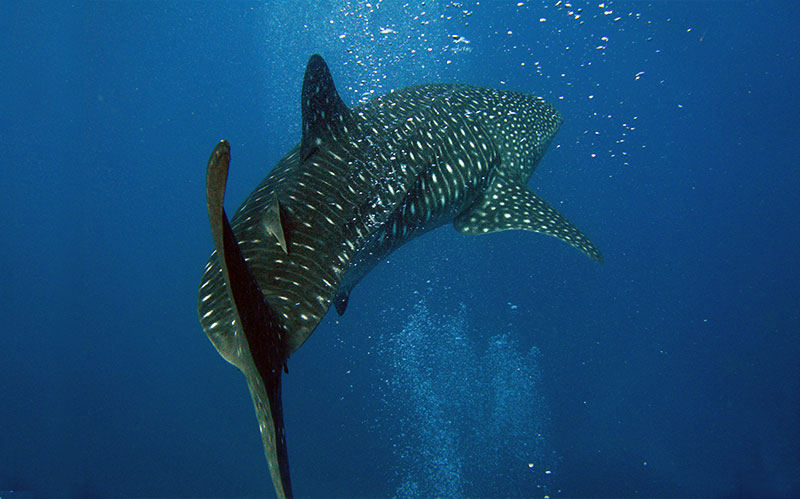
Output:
x=670 y=370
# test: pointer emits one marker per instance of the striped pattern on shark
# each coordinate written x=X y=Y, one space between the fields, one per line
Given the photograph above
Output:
x=362 y=182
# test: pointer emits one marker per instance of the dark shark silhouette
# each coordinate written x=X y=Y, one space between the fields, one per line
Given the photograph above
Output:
x=362 y=182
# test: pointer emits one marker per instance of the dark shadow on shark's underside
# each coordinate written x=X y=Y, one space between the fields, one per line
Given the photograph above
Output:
x=362 y=182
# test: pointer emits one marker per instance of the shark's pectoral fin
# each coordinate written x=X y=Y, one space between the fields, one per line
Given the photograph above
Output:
x=264 y=336
x=507 y=205
x=323 y=111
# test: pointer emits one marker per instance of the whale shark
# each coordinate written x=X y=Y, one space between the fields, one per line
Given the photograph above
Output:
x=363 y=181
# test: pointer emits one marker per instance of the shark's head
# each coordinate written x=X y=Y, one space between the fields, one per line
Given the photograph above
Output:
x=521 y=126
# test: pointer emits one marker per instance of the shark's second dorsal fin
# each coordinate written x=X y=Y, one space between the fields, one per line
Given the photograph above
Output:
x=324 y=112
x=340 y=301
x=272 y=222
x=507 y=205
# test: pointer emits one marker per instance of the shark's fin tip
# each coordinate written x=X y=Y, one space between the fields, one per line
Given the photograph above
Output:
x=340 y=302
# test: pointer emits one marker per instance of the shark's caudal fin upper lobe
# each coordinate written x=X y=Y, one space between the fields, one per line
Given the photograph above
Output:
x=362 y=182
x=265 y=357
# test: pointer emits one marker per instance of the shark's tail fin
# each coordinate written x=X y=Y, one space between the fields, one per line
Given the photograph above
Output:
x=264 y=334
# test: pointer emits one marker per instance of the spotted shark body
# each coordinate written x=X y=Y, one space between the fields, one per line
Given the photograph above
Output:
x=362 y=182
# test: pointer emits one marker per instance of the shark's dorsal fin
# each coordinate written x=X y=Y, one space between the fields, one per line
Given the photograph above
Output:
x=324 y=112
x=507 y=205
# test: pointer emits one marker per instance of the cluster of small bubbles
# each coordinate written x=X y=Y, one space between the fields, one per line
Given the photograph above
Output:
x=593 y=37
x=457 y=413
x=616 y=143
x=392 y=44
x=415 y=37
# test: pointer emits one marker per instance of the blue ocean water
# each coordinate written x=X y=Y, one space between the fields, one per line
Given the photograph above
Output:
x=507 y=364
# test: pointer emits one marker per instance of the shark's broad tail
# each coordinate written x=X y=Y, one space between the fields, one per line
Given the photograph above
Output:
x=262 y=357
